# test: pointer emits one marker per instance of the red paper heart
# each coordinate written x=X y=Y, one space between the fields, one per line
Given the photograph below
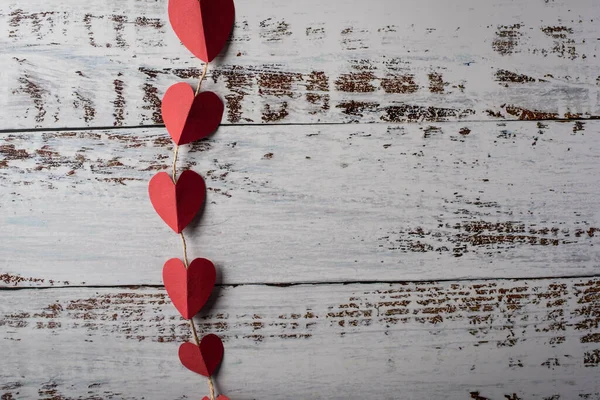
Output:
x=203 y=26
x=187 y=117
x=189 y=288
x=177 y=204
x=205 y=359
x=219 y=397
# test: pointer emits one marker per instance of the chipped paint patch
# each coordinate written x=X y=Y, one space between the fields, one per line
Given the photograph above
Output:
x=87 y=105
x=36 y=93
x=404 y=84
x=477 y=236
x=507 y=39
x=272 y=30
x=529 y=115
x=563 y=46
x=151 y=103
x=274 y=115
x=239 y=82
x=119 y=102
x=506 y=77
x=356 y=82
x=415 y=113
x=436 y=83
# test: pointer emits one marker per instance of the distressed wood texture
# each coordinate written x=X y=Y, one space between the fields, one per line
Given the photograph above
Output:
x=73 y=64
x=308 y=203
x=523 y=339
x=449 y=250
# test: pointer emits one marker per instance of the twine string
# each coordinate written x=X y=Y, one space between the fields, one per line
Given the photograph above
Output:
x=185 y=258
x=175 y=154
x=194 y=332
x=201 y=78
x=211 y=386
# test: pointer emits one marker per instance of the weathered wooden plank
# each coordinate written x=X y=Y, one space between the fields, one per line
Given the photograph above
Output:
x=308 y=203
x=70 y=64
x=503 y=339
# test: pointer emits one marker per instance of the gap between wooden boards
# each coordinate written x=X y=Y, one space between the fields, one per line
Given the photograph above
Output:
x=312 y=283
x=162 y=126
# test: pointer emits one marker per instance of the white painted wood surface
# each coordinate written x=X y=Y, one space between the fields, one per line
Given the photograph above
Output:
x=483 y=184
x=526 y=339
x=67 y=63
x=309 y=203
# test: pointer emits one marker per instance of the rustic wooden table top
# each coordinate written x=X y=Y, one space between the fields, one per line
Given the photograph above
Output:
x=403 y=201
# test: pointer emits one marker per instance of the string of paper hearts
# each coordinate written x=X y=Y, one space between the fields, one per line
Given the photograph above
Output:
x=203 y=26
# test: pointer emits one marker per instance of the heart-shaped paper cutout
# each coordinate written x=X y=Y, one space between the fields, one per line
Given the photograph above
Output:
x=203 y=26
x=205 y=359
x=189 y=288
x=219 y=397
x=187 y=117
x=177 y=204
